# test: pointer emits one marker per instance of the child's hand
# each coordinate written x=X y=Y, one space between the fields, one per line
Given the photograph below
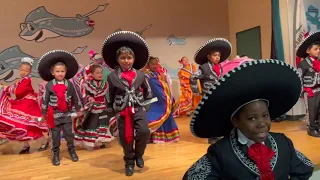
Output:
x=43 y=118
x=79 y=113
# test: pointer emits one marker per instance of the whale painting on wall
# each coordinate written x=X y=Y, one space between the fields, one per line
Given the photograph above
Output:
x=40 y=25
x=174 y=40
x=10 y=60
x=140 y=33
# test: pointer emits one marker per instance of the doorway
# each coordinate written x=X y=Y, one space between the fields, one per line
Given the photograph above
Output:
x=249 y=42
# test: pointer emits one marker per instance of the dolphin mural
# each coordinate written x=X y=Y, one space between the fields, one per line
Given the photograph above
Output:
x=10 y=60
x=139 y=32
x=173 y=40
x=313 y=18
x=40 y=25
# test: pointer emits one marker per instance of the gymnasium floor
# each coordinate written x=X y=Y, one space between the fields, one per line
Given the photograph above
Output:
x=162 y=160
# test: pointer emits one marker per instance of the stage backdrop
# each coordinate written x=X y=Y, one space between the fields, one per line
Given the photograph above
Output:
x=172 y=28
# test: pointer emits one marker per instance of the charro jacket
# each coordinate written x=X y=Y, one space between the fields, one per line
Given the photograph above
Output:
x=207 y=77
x=120 y=95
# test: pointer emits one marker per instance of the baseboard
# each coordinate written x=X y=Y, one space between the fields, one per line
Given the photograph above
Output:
x=295 y=117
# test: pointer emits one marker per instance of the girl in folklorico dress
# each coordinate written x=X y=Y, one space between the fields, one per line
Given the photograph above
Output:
x=92 y=129
x=161 y=122
x=188 y=100
x=84 y=74
x=240 y=107
x=18 y=117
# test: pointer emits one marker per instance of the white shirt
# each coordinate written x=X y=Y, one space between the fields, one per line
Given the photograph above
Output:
x=244 y=140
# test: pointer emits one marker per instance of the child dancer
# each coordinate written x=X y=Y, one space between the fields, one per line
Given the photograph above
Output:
x=126 y=52
x=96 y=58
x=56 y=67
x=241 y=110
x=309 y=70
x=188 y=100
x=161 y=122
x=93 y=127
x=18 y=117
x=84 y=74
x=208 y=57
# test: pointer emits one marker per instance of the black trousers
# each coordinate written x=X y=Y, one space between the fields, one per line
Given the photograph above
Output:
x=314 y=111
x=64 y=123
x=136 y=148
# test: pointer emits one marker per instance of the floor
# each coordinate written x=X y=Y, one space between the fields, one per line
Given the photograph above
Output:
x=162 y=160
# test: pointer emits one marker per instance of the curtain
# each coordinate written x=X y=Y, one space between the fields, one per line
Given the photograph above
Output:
x=277 y=51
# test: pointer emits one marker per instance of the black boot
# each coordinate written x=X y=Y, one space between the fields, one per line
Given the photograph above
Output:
x=44 y=147
x=314 y=133
x=140 y=162
x=25 y=150
x=73 y=155
x=56 y=159
x=129 y=170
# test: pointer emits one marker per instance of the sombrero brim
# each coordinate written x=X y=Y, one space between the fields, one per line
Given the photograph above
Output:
x=49 y=59
x=129 y=39
x=249 y=81
x=220 y=44
x=303 y=46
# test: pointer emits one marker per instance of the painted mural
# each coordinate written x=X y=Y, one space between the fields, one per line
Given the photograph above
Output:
x=40 y=25
x=10 y=60
x=174 y=40
x=139 y=32
x=313 y=18
x=312 y=8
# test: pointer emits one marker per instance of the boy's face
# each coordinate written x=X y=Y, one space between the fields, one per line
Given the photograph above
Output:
x=314 y=51
x=214 y=57
x=59 y=72
x=254 y=121
x=125 y=61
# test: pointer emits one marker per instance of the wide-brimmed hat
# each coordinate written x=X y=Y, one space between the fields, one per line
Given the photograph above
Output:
x=248 y=82
x=303 y=46
x=219 y=44
x=49 y=59
x=129 y=39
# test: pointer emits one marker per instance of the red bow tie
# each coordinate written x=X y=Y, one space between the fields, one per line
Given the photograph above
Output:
x=262 y=155
x=316 y=64
x=216 y=68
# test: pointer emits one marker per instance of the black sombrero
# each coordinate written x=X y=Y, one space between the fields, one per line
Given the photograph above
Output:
x=248 y=82
x=129 y=39
x=303 y=46
x=49 y=59
x=219 y=44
